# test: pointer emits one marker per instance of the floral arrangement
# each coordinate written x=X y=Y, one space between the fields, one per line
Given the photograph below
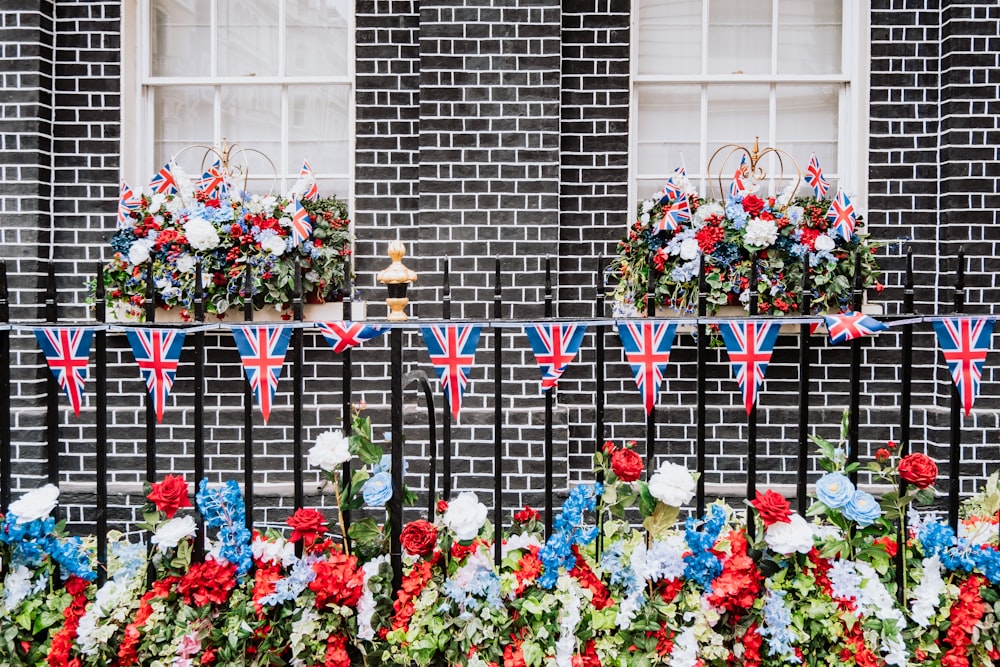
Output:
x=676 y=229
x=230 y=234
x=837 y=583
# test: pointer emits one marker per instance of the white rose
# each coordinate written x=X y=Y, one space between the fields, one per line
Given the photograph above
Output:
x=785 y=538
x=201 y=234
x=35 y=504
x=760 y=233
x=186 y=263
x=173 y=531
x=274 y=245
x=465 y=516
x=332 y=449
x=672 y=484
x=825 y=243
x=138 y=253
x=156 y=201
x=689 y=249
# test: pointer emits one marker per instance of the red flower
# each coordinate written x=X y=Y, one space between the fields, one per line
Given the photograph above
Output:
x=336 y=652
x=338 y=581
x=626 y=464
x=918 y=469
x=412 y=585
x=737 y=586
x=528 y=569
x=170 y=495
x=889 y=544
x=307 y=524
x=513 y=656
x=772 y=507
x=585 y=575
x=753 y=205
x=609 y=447
x=527 y=515
x=418 y=538
x=442 y=506
x=207 y=583
x=882 y=455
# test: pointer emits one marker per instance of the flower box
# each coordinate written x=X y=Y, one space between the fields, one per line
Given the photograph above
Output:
x=311 y=312
x=737 y=313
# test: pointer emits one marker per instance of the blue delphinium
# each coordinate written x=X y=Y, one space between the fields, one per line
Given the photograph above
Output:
x=777 y=621
x=702 y=565
x=223 y=509
x=568 y=531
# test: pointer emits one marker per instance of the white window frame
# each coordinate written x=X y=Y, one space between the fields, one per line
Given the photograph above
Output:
x=137 y=162
x=852 y=142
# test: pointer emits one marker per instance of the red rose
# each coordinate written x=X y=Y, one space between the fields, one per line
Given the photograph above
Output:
x=609 y=447
x=418 y=538
x=626 y=464
x=918 y=470
x=753 y=205
x=170 y=495
x=882 y=455
x=772 y=507
x=307 y=524
x=442 y=506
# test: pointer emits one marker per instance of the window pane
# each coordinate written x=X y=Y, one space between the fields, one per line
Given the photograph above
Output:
x=317 y=129
x=811 y=34
x=248 y=38
x=737 y=115
x=251 y=117
x=808 y=120
x=668 y=128
x=179 y=37
x=669 y=37
x=182 y=116
x=739 y=37
x=317 y=37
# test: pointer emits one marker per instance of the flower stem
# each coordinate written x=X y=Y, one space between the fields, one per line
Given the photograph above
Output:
x=340 y=514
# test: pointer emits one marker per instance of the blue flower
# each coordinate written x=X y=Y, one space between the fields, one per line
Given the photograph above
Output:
x=701 y=565
x=834 y=490
x=777 y=621
x=378 y=489
x=223 y=509
x=862 y=508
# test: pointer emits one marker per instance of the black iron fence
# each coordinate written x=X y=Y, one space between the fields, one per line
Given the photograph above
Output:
x=401 y=382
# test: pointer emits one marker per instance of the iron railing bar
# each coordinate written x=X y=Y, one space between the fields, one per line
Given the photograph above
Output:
x=549 y=396
x=955 y=449
x=497 y=420
x=420 y=377
x=805 y=340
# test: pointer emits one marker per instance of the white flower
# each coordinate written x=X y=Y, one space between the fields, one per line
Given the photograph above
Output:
x=518 y=542
x=186 y=263
x=760 y=233
x=465 y=516
x=977 y=531
x=156 y=201
x=647 y=206
x=139 y=252
x=173 y=531
x=274 y=245
x=824 y=243
x=286 y=222
x=785 y=538
x=644 y=218
x=366 y=605
x=685 y=653
x=689 y=249
x=925 y=596
x=35 y=504
x=332 y=449
x=672 y=484
x=274 y=552
x=17 y=586
x=201 y=234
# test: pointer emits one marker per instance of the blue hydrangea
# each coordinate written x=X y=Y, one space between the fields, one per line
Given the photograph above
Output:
x=470 y=590
x=701 y=565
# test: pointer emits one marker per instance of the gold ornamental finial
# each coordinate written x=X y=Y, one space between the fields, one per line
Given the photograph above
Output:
x=396 y=277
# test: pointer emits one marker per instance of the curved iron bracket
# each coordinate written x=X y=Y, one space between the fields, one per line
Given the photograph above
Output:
x=420 y=378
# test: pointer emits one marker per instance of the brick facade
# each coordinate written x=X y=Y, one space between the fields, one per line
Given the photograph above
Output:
x=489 y=130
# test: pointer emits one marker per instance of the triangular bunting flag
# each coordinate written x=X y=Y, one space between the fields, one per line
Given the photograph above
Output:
x=452 y=349
x=157 y=352
x=647 y=349
x=850 y=325
x=841 y=217
x=345 y=335
x=312 y=193
x=262 y=349
x=965 y=342
x=67 y=352
x=554 y=347
x=749 y=344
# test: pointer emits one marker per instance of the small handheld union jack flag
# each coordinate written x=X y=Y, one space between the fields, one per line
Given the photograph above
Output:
x=815 y=179
x=213 y=181
x=647 y=349
x=301 y=225
x=127 y=202
x=850 y=325
x=841 y=215
x=157 y=351
x=674 y=214
x=345 y=335
x=312 y=193
x=263 y=349
x=163 y=182
x=965 y=342
x=738 y=186
x=452 y=349
x=67 y=352
x=555 y=346
x=749 y=344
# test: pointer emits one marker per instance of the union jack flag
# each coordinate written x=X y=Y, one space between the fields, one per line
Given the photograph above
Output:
x=157 y=351
x=749 y=344
x=213 y=181
x=841 y=215
x=67 y=352
x=647 y=349
x=673 y=215
x=555 y=346
x=312 y=194
x=301 y=225
x=738 y=187
x=814 y=178
x=670 y=193
x=850 y=325
x=163 y=182
x=452 y=349
x=345 y=335
x=127 y=202
x=262 y=349
x=965 y=342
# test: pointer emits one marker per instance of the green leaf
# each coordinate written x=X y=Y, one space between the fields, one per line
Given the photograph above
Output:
x=662 y=520
x=365 y=530
x=647 y=503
